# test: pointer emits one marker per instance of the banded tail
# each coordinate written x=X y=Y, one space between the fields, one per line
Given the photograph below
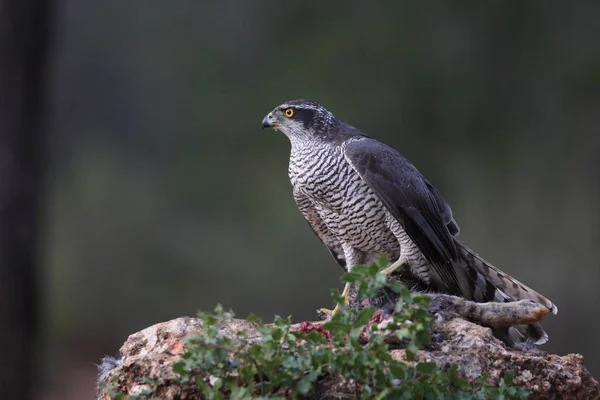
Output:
x=491 y=284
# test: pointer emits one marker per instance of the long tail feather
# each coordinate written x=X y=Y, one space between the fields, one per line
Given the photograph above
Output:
x=489 y=284
x=509 y=287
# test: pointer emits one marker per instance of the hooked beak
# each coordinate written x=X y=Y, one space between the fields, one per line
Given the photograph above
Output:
x=268 y=121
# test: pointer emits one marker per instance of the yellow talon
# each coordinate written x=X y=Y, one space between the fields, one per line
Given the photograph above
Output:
x=346 y=292
x=393 y=267
x=337 y=309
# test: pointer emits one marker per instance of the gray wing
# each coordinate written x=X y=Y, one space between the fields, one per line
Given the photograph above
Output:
x=320 y=229
x=414 y=202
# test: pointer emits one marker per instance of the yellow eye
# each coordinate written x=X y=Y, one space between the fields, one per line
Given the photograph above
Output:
x=289 y=112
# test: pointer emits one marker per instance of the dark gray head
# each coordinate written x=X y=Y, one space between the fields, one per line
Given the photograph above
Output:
x=300 y=119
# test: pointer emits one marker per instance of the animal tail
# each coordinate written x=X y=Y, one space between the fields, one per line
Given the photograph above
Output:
x=491 y=284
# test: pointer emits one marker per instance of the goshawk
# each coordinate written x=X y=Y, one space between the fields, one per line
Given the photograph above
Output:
x=362 y=198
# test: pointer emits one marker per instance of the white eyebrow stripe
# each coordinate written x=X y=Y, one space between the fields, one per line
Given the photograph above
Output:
x=301 y=107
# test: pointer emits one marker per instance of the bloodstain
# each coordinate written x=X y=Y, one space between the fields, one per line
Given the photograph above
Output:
x=307 y=326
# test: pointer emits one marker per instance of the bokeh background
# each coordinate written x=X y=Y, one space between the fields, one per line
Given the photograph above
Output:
x=164 y=196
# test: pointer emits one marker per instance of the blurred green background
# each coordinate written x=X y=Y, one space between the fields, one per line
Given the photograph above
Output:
x=166 y=197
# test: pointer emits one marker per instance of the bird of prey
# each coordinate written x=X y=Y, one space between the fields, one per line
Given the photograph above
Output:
x=362 y=198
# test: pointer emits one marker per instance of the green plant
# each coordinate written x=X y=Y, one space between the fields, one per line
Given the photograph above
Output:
x=113 y=391
x=287 y=364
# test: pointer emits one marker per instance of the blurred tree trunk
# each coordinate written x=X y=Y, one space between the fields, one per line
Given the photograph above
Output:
x=24 y=38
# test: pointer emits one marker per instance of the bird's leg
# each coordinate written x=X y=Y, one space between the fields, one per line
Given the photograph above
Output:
x=346 y=292
x=345 y=295
x=394 y=266
x=353 y=257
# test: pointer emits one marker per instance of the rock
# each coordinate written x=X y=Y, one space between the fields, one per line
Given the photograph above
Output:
x=150 y=353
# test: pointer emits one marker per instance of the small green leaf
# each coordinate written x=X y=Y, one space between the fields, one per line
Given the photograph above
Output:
x=396 y=286
x=179 y=368
x=336 y=296
x=314 y=337
x=276 y=333
x=364 y=316
x=426 y=367
x=398 y=370
x=337 y=327
x=423 y=301
x=351 y=277
x=148 y=381
x=304 y=386
x=253 y=319
x=508 y=377
x=209 y=320
x=314 y=374
x=381 y=279
x=403 y=333
x=411 y=351
x=399 y=307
